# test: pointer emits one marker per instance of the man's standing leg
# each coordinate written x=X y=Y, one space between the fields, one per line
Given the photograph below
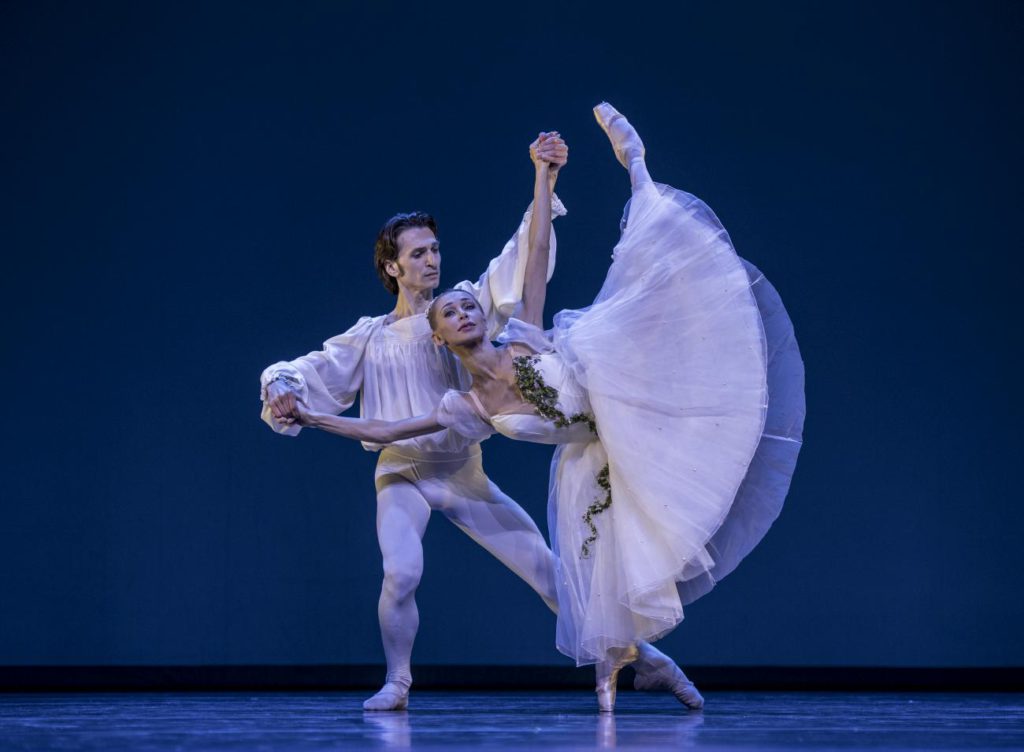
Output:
x=402 y=516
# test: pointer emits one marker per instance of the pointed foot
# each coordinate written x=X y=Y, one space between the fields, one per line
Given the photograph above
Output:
x=625 y=140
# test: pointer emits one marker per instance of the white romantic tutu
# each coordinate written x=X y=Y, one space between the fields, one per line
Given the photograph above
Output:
x=694 y=377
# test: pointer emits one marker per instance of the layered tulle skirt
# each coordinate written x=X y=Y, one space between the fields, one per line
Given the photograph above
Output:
x=696 y=384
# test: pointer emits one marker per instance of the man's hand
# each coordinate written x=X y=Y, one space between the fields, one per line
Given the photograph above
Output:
x=305 y=417
x=282 y=402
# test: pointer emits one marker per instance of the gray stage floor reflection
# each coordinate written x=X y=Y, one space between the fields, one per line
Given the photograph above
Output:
x=510 y=720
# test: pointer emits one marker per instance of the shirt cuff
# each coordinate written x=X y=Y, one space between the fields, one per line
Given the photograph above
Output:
x=557 y=207
x=294 y=382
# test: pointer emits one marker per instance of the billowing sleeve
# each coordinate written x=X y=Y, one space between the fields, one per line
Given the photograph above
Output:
x=456 y=414
x=500 y=288
x=523 y=333
x=327 y=380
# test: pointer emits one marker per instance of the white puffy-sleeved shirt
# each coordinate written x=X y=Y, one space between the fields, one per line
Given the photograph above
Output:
x=397 y=368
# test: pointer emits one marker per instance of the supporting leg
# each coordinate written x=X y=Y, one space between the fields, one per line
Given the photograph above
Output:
x=608 y=676
x=402 y=515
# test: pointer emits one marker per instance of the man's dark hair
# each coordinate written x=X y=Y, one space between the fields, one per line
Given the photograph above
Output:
x=386 y=248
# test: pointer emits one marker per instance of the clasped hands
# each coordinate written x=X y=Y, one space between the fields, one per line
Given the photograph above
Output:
x=286 y=408
x=549 y=147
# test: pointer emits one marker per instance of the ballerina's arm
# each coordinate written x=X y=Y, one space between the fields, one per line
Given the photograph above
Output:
x=547 y=155
x=371 y=430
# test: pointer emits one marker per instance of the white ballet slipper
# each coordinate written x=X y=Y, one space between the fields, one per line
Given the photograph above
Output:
x=394 y=695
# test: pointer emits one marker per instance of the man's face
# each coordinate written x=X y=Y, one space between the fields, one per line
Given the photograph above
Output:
x=418 y=266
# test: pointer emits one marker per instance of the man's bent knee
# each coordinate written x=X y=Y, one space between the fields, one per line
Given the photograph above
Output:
x=401 y=583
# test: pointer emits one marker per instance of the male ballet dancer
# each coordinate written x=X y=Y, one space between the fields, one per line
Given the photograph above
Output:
x=392 y=361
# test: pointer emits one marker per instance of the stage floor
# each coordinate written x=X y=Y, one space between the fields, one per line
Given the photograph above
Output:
x=511 y=720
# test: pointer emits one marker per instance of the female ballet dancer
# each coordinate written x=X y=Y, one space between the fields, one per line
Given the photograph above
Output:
x=670 y=465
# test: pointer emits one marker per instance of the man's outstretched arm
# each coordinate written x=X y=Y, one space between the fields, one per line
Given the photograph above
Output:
x=326 y=381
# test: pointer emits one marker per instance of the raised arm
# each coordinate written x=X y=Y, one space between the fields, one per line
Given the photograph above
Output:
x=370 y=430
x=500 y=288
x=548 y=153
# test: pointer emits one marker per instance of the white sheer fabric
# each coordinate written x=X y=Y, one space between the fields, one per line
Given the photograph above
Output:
x=397 y=367
x=676 y=365
x=760 y=497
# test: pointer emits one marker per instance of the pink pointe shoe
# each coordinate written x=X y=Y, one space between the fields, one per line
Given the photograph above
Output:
x=608 y=676
x=625 y=140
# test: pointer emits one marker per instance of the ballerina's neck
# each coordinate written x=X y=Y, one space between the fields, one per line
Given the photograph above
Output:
x=484 y=361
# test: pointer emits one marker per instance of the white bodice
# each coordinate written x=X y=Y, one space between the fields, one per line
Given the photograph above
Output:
x=462 y=412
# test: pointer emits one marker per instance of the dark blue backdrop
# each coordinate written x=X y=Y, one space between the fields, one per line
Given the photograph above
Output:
x=192 y=192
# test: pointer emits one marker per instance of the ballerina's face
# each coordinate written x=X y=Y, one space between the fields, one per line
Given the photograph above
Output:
x=457 y=319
